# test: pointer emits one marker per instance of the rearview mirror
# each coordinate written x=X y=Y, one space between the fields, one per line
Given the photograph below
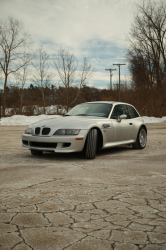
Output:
x=121 y=117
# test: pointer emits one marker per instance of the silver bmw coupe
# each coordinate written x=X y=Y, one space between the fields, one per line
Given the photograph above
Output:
x=88 y=127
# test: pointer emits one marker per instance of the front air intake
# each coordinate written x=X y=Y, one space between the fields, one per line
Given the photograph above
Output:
x=37 y=131
x=43 y=144
x=45 y=131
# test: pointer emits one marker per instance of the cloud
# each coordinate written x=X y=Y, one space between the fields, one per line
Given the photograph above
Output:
x=94 y=29
x=72 y=23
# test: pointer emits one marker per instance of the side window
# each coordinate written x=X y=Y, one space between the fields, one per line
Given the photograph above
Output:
x=119 y=110
x=132 y=112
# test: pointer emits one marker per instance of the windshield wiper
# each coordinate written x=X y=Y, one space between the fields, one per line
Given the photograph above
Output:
x=67 y=115
x=81 y=115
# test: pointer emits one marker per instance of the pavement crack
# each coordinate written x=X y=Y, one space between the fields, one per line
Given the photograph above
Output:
x=13 y=217
x=45 y=217
x=20 y=235
x=113 y=246
x=94 y=205
x=148 y=238
x=36 y=207
x=105 y=211
x=16 y=244
x=74 y=242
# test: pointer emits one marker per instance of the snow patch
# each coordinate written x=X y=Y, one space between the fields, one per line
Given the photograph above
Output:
x=27 y=120
x=50 y=110
x=24 y=120
x=154 y=119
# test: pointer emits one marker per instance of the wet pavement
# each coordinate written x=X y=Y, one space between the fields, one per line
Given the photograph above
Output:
x=62 y=201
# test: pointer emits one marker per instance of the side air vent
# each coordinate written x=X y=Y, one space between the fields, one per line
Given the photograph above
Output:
x=66 y=144
x=37 y=131
x=25 y=143
x=45 y=131
x=43 y=144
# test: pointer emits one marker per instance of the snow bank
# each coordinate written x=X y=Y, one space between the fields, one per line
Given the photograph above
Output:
x=154 y=119
x=27 y=120
x=24 y=120
x=50 y=110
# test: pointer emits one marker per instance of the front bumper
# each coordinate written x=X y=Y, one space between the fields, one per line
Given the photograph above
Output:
x=58 y=144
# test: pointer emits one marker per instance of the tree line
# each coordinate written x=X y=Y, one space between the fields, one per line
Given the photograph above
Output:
x=32 y=99
x=146 y=57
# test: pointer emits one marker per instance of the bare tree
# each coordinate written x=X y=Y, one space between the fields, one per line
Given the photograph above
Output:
x=71 y=74
x=22 y=77
x=147 y=52
x=42 y=75
x=13 y=44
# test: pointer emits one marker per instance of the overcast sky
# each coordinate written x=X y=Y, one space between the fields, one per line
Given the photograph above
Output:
x=95 y=29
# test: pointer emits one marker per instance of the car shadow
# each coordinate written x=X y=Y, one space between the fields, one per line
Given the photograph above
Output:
x=114 y=150
x=79 y=156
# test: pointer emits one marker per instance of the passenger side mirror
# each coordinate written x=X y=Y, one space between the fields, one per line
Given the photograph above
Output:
x=121 y=117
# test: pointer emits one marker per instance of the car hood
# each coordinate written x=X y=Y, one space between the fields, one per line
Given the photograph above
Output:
x=70 y=122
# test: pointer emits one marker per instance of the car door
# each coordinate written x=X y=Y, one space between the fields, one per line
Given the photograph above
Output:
x=133 y=115
x=122 y=129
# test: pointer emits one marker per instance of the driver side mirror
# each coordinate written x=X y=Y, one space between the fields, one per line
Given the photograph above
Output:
x=121 y=117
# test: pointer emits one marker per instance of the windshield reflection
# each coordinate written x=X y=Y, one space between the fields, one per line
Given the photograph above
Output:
x=91 y=109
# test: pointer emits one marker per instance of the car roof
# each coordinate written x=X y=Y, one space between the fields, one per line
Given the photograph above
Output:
x=110 y=102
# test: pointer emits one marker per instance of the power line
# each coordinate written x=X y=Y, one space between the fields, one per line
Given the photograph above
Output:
x=119 y=64
x=110 y=70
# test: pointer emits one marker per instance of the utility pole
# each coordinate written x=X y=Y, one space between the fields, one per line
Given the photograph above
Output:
x=119 y=64
x=0 y=102
x=110 y=70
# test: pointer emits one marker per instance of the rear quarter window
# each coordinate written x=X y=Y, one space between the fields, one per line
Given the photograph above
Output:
x=119 y=110
x=132 y=112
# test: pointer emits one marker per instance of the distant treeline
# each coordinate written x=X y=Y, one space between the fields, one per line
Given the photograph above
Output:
x=147 y=102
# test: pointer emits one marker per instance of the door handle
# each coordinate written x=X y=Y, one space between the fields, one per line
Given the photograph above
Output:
x=130 y=123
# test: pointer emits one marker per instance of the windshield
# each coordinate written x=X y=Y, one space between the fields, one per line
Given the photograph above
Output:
x=91 y=109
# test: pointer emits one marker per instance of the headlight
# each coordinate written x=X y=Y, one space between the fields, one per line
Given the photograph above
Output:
x=67 y=132
x=28 y=131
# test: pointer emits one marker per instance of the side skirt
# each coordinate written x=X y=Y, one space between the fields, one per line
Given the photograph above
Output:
x=119 y=143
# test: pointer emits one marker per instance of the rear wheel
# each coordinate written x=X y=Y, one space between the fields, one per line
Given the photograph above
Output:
x=36 y=152
x=141 y=139
x=91 y=144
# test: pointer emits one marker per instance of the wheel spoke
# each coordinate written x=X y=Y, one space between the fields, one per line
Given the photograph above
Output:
x=142 y=138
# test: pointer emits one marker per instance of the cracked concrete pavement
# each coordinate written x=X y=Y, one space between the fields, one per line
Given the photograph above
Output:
x=59 y=201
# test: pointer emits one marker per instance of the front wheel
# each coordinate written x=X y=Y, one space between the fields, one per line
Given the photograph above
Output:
x=141 y=139
x=91 y=144
x=36 y=152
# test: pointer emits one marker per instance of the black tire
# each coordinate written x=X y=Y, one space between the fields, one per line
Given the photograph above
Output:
x=91 y=144
x=141 y=139
x=36 y=152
